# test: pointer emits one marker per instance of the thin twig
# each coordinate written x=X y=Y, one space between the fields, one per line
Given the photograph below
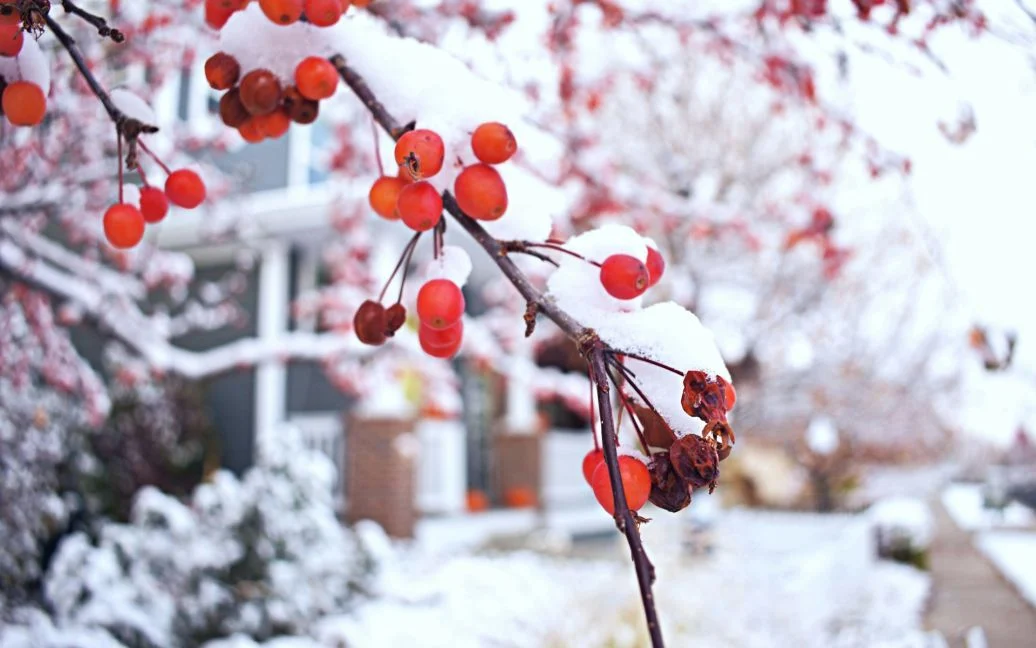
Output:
x=129 y=127
x=100 y=23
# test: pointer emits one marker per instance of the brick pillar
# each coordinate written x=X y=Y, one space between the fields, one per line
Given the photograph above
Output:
x=516 y=466
x=380 y=474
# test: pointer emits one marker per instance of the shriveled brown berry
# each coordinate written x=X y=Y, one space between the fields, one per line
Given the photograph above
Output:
x=260 y=92
x=231 y=110
x=668 y=490
x=695 y=460
x=300 y=109
x=369 y=323
x=222 y=71
x=395 y=318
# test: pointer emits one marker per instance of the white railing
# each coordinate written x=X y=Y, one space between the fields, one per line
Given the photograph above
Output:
x=323 y=433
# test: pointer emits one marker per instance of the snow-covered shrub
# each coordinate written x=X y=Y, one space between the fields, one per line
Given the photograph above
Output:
x=157 y=434
x=261 y=556
x=903 y=528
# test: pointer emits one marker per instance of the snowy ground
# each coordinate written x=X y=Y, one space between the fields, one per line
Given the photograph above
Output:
x=964 y=502
x=1014 y=554
x=771 y=579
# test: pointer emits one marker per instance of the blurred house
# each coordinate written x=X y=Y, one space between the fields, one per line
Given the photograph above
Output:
x=282 y=224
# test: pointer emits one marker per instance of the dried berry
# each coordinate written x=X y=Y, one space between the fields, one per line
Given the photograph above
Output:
x=395 y=318
x=668 y=490
x=695 y=460
x=369 y=323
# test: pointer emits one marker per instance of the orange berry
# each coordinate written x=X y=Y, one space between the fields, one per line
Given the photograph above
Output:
x=282 y=12
x=493 y=143
x=324 y=13
x=421 y=151
x=11 y=39
x=636 y=484
x=251 y=131
x=24 y=103
x=123 y=226
x=384 y=195
x=274 y=125
x=419 y=206
x=185 y=188
x=222 y=71
x=480 y=192
x=316 y=78
x=260 y=92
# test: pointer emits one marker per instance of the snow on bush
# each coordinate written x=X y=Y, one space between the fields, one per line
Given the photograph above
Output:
x=262 y=556
x=903 y=521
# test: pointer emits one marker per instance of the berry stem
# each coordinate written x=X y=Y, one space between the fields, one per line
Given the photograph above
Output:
x=631 y=380
x=103 y=30
x=406 y=269
x=403 y=258
x=656 y=363
x=154 y=157
x=377 y=149
x=633 y=417
x=118 y=146
x=593 y=414
x=557 y=248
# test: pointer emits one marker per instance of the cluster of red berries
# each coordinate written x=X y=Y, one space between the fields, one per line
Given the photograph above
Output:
x=322 y=13
x=259 y=106
x=440 y=306
x=636 y=480
x=124 y=223
x=479 y=190
x=23 y=103
x=627 y=277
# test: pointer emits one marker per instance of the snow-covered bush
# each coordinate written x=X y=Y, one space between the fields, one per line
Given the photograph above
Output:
x=263 y=556
x=903 y=528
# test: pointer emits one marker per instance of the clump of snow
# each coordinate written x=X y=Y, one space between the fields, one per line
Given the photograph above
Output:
x=903 y=521
x=453 y=264
x=822 y=435
x=966 y=505
x=1014 y=554
x=258 y=43
x=133 y=106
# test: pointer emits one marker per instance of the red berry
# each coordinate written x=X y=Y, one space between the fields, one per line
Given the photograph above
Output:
x=384 y=195
x=729 y=396
x=231 y=110
x=369 y=323
x=260 y=92
x=493 y=143
x=655 y=265
x=217 y=13
x=222 y=71
x=185 y=188
x=24 y=103
x=624 y=277
x=153 y=204
x=11 y=39
x=420 y=206
x=9 y=14
x=442 y=343
x=592 y=459
x=324 y=13
x=251 y=131
x=480 y=192
x=282 y=12
x=123 y=226
x=421 y=152
x=316 y=78
x=636 y=484
x=440 y=303
x=273 y=125
x=300 y=109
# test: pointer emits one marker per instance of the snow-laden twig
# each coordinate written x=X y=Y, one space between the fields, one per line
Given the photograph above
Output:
x=119 y=317
x=590 y=345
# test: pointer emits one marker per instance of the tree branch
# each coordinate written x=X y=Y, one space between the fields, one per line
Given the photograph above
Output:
x=590 y=345
x=98 y=22
x=129 y=127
